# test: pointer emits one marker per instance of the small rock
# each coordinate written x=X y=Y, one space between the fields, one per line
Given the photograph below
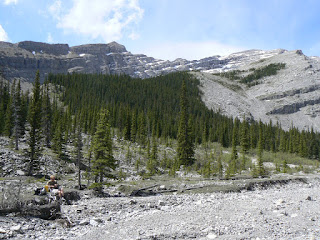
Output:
x=212 y=236
x=279 y=201
x=132 y=202
x=309 y=198
x=84 y=222
x=161 y=203
x=93 y=222
x=2 y=230
x=21 y=173
x=16 y=228
x=162 y=187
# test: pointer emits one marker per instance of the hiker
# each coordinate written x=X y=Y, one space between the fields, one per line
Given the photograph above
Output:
x=54 y=187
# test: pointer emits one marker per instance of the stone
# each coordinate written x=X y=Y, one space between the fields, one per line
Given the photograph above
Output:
x=2 y=230
x=212 y=236
x=21 y=173
x=132 y=202
x=16 y=228
x=309 y=198
x=161 y=203
x=94 y=222
x=84 y=222
x=279 y=201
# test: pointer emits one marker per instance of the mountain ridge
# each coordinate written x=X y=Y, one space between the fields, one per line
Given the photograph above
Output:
x=290 y=97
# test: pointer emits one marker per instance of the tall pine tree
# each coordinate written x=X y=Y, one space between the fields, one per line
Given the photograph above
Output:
x=185 y=149
x=34 y=120
x=103 y=162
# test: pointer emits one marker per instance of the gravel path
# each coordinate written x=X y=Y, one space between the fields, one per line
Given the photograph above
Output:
x=281 y=212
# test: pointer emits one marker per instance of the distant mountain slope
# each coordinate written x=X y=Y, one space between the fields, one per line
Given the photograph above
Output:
x=291 y=96
x=21 y=60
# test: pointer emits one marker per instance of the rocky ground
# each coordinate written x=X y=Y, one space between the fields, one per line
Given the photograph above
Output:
x=289 y=211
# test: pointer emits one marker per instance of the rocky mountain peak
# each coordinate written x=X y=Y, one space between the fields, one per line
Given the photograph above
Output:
x=99 y=49
x=53 y=49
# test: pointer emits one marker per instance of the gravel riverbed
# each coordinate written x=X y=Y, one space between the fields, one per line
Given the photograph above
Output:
x=288 y=211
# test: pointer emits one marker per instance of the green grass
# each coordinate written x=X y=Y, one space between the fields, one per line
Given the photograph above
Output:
x=254 y=74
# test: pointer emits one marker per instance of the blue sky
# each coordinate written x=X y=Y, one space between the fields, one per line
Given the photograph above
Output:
x=167 y=29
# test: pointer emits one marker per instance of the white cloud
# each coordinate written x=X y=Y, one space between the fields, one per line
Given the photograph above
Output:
x=55 y=9
x=189 y=50
x=8 y=2
x=108 y=20
x=50 y=38
x=3 y=35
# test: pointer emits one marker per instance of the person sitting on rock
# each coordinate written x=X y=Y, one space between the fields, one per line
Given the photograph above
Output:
x=54 y=187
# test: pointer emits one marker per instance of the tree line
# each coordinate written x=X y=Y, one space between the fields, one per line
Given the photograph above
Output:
x=66 y=106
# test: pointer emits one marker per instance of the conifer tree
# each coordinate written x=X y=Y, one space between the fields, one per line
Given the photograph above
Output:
x=58 y=140
x=219 y=166
x=260 y=168
x=152 y=162
x=233 y=163
x=34 y=120
x=47 y=115
x=141 y=130
x=244 y=143
x=185 y=149
x=9 y=118
x=19 y=122
x=103 y=162
x=79 y=156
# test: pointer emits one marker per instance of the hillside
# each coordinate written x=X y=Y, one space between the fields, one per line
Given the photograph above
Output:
x=290 y=96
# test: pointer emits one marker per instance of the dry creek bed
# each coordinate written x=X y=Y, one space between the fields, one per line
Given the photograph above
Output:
x=289 y=211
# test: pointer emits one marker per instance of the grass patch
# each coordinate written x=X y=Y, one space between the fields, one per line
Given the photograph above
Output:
x=253 y=75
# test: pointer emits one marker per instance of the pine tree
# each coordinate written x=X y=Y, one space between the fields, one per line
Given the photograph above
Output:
x=185 y=149
x=152 y=162
x=219 y=166
x=58 y=140
x=233 y=163
x=34 y=120
x=79 y=156
x=18 y=128
x=103 y=162
x=47 y=115
x=260 y=168
x=244 y=143
x=9 y=118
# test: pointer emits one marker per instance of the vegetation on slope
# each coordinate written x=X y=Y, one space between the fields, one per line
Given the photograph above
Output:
x=254 y=75
x=150 y=113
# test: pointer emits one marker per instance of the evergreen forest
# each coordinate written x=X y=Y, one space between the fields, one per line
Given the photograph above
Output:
x=161 y=110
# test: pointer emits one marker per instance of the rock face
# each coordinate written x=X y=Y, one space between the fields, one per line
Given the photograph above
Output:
x=22 y=60
x=291 y=97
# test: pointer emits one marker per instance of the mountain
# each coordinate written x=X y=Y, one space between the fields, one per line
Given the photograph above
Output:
x=290 y=95
x=22 y=59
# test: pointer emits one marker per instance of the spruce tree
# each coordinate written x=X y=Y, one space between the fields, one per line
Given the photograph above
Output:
x=185 y=149
x=18 y=128
x=34 y=119
x=220 y=166
x=233 y=163
x=152 y=162
x=9 y=118
x=103 y=162
x=244 y=143
x=47 y=116
x=79 y=156
x=260 y=168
